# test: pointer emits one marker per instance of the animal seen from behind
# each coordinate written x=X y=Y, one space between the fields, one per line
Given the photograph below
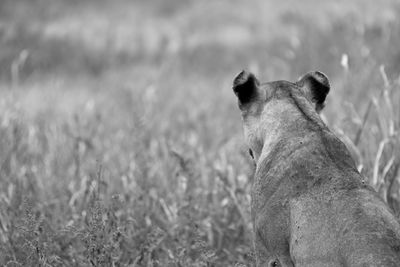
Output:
x=310 y=206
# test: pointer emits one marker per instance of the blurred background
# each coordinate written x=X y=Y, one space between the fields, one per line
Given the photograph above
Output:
x=120 y=138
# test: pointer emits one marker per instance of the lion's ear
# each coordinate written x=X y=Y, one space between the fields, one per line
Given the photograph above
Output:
x=315 y=86
x=246 y=87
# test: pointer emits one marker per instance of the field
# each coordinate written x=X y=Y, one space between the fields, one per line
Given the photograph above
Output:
x=120 y=138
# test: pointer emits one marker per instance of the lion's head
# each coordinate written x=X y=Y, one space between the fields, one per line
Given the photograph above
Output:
x=274 y=109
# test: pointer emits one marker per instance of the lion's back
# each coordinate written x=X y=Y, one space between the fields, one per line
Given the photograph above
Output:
x=349 y=228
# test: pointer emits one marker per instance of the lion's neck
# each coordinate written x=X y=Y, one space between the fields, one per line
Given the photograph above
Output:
x=278 y=149
x=285 y=135
x=302 y=144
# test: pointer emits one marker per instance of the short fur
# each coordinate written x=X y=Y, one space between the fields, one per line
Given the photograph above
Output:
x=310 y=205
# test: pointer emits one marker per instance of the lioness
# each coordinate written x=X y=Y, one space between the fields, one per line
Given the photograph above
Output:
x=310 y=205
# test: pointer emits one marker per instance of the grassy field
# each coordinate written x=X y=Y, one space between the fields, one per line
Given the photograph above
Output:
x=120 y=138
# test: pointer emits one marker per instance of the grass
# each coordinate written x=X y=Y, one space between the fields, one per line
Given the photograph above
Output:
x=121 y=140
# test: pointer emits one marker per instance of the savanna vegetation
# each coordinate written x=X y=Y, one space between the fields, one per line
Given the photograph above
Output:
x=120 y=139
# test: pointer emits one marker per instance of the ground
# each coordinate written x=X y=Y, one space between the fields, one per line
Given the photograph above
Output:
x=121 y=140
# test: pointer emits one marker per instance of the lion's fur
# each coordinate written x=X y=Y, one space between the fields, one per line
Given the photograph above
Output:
x=310 y=206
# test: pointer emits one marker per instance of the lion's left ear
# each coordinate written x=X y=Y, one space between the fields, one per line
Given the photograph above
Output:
x=247 y=88
x=315 y=86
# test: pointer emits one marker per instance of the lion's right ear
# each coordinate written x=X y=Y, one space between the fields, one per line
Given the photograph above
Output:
x=246 y=87
x=315 y=86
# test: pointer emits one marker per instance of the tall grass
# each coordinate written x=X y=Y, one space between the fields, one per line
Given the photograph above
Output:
x=125 y=148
